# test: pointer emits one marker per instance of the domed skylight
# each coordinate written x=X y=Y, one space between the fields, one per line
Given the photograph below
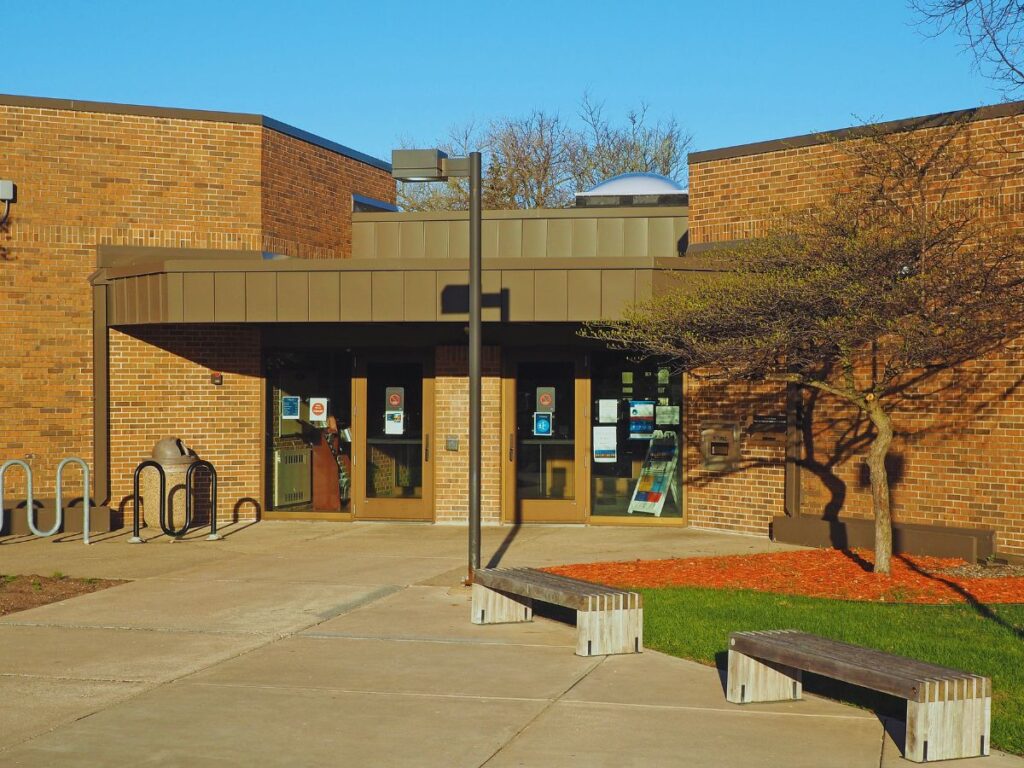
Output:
x=635 y=184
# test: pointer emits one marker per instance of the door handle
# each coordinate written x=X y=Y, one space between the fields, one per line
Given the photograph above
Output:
x=512 y=447
x=426 y=448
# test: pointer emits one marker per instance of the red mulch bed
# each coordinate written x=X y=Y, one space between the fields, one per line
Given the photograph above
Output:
x=840 y=575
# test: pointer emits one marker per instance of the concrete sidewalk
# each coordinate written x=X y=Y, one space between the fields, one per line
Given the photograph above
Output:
x=308 y=644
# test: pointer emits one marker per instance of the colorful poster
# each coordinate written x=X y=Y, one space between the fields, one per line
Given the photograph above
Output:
x=607 y=411
x=605 y=445
x=641 y=419
x=657 y=476
x=666 y=415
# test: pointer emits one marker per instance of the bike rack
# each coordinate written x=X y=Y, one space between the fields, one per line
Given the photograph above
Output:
x=60 y=496
x=136 y=539
x=28 y=476
x=189 y=473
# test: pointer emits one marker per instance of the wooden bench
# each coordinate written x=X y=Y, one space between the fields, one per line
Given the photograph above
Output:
x=948 y=711
x=607 y=620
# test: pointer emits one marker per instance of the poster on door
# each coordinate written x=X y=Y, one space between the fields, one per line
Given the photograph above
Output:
x=606 y=445
x=657 y=476
x=318 y=410
x=641 y=419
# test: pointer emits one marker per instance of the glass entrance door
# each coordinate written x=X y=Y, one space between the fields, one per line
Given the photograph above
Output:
x=545 y=468
x=394 y=465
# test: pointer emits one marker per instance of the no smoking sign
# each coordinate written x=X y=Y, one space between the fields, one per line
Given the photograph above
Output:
x=318 y=409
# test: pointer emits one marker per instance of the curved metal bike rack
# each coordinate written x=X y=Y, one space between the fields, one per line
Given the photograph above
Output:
x=85 y=495
x=28 y=477
x=136 y=539
x=189 y=474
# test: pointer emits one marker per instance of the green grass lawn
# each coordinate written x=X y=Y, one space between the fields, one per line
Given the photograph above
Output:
x=988 y=640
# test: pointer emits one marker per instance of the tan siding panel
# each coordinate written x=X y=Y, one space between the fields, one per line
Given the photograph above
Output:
x=510 y=239
x=644 y=284
x=584 y=294
x=634 y=238
x=324 y=297
x=489 y=239
x=584 y=238
x=260 y=297
x=618 y=290
x=356 y=298
x=610 y=234
x=458 y=240
x=410 y=240
x=435 y=239
x=387 y=240
x=517 y=287
x=535 y=236
x=388 y=291
x=364 y=240
x=492 y=298
x=175 y=298
x=550 y=295
x=199 y=299
x=229 y=297
x=293 y=297
x=662 y=240
x=451 y=285
x=559 y=238
x=421 y=296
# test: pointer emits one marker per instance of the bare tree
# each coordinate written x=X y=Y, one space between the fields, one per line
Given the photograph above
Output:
x=541 y=161
x=891 y=280
x=990 y=29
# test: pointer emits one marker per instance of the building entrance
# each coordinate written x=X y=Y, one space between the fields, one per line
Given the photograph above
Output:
x=309 y=434
x=393 y=465
x=545 y=445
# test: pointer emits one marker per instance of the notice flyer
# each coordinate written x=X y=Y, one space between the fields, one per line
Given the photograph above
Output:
x=605 y=445
x=607 y=411
x=394 y=422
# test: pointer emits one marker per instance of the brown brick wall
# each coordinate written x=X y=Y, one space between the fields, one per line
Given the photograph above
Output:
x=746 y=499
x=955 y=461
x=307 y=197
x=85 y=179
x=89 y=178
x=451 y=469
x=160 y=387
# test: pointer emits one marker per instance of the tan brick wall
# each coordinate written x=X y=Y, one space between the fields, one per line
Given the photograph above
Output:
x=451 y=468
x=746 y=499
x=955 y=461
x=85 y=179
x=160 y=387
x=307 y=197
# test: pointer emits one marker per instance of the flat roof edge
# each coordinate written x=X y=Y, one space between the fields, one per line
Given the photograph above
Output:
x=177 y=113
x=939 y=119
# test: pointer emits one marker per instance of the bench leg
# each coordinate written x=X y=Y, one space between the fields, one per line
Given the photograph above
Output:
x=603 y=632
x=946 y=730
x=751 y=680
x=493 y=607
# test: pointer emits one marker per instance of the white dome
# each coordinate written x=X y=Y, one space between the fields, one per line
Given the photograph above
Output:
x=636 y=184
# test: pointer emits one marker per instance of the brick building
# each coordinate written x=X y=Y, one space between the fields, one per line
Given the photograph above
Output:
x=233 y=281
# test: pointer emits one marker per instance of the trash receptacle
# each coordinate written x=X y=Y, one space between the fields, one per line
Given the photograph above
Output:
x=175 y=457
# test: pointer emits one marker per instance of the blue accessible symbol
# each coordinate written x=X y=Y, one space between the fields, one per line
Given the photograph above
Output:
x=543 y=424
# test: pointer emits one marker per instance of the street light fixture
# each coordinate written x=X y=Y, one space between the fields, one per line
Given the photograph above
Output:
x=434 y=165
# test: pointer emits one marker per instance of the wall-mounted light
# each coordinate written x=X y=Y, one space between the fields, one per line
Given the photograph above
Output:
x=8 y=194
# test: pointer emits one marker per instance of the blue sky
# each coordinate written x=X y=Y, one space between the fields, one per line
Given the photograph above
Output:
x=370 y=74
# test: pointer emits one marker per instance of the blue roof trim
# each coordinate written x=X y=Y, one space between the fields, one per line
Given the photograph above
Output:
x=320 y=141
x=390 y=207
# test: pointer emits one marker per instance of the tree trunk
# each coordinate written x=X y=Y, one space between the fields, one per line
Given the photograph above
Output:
x=880 y=485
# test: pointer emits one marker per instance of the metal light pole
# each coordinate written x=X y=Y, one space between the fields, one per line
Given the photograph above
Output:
x=435 y=165
x=475 y=352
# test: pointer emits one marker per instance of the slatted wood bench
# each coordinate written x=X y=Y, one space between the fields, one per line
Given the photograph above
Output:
x=607 y=620
x=948 y=711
